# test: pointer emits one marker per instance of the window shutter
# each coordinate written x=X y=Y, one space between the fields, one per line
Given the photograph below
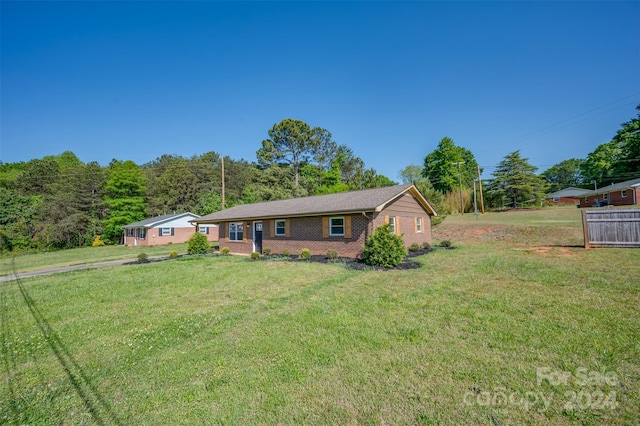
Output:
x=286 y=227
x=415 y=225
x=397 y=225
x=272 y=228
x=172 y=232
x=207 y=228
x=228 y=231
x=325 y=227
x=347 y=226
x=245 y=229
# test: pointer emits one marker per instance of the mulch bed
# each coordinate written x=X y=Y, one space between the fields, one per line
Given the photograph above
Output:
x=358 y=264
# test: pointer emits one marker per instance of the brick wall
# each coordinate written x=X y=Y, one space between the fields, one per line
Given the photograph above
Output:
x=614 y=198
x=180 y=235
x=307 y=232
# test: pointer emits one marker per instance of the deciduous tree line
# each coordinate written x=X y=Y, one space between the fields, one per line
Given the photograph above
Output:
x=60 y=202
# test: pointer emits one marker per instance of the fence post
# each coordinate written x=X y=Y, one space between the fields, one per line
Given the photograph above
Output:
x=585 y=229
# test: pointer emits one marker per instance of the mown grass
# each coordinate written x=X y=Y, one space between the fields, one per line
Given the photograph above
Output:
x=33 y=262
x=227 y=340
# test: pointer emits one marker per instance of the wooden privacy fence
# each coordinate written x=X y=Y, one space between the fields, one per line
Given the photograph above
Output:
x=611 y=228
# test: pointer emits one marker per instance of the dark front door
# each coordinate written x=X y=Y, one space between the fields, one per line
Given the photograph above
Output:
x=257 y=237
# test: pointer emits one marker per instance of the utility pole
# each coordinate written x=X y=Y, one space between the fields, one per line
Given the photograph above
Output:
x=475 y=203
x=222 y=163
x=460 y=182
x=480 y=185
x=596 y=187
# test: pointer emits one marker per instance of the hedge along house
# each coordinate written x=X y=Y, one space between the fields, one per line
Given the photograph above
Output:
x=340 y=221
x=625 y=193
x=170 y=228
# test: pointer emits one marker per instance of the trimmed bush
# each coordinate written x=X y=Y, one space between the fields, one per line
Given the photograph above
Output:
x=255 y=255
x=414 y=247
x=426 y=245
x=225 y=251
x=173 y=254
x=305 y=254
x=143 y=257
x=285 y=252
x=197 y=244
x=446 y=243
x=384 y=248
x=332 y=254
x=97 y=241
x=266 y=251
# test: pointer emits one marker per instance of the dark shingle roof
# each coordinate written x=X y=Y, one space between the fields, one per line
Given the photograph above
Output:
x=344 y=202
x=158 y=219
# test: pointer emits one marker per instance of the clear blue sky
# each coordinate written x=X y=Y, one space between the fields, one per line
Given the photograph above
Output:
x=135 y=80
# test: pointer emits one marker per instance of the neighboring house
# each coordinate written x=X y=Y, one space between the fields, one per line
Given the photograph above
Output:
x=170 y=228
x=340 y=221
x=618 y=194
x=569 y=195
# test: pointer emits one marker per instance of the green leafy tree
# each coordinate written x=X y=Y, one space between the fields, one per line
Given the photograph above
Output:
x=565 y=174
x=124 y=198
x=515 y=180
x=384 y=248
x=72 y=212
x=440 y=166
x=616 y=160
x=291 y=142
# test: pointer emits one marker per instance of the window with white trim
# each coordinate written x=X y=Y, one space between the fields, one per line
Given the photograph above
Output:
x=392 y=223
x=586 y=199
x=165 y=231
x=203 y=229
x=605 y=196
x=236 y=232
x=623 y=193
x=130 y=232
x=419 y=225
x=336 y=226
x=142 y=233
x=280 y=228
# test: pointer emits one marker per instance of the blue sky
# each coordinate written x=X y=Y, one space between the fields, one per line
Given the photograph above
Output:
x=135 y=80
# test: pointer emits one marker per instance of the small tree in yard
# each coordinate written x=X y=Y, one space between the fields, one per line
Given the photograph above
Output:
x=384 y=248
x=197 y=244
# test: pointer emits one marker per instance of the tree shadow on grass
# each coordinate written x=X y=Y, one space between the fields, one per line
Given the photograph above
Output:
x=99 y=409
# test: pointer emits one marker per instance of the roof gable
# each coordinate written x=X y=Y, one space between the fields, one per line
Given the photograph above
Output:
x=366 y=200
x=154 y=221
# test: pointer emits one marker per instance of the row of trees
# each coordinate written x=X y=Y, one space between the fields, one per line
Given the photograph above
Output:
x=450 y=169
x=60 y=202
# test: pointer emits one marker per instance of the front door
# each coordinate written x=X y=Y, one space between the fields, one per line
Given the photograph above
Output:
x=257 y=237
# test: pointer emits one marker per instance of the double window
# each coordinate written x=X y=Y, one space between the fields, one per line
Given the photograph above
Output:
x=166 y=231
x=236 y=232
x=623 y=193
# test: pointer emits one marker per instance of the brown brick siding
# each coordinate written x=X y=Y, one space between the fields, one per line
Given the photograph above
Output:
x=306 y=232
x=614 y=198
x=180 y=235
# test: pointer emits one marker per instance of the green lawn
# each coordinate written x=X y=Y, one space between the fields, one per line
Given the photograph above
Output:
x=226 y=340
x=81 y=256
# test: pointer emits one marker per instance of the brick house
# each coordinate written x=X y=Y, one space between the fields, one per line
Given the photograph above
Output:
x=569 y=195
x=335 y=221
x=625 y=193
x=170 y=228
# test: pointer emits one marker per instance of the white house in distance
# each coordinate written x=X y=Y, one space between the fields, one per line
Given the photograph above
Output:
x=169 y=228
